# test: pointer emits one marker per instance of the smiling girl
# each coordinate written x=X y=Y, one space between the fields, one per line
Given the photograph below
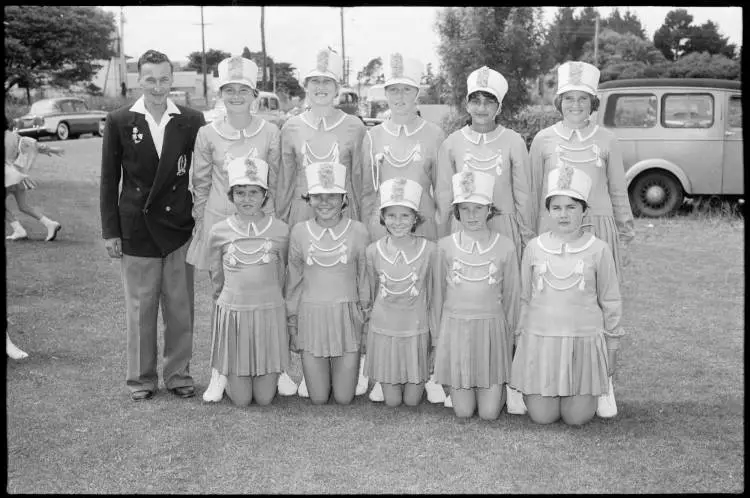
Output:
x=327 y=292
x=478 y=271
x=248 y=252
x=406 y=311
x=569 y=327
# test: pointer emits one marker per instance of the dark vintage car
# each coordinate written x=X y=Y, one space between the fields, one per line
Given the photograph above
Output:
x=63 y=117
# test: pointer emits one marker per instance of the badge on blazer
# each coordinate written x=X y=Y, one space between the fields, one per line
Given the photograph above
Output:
x=181 y=165
x=137 y=135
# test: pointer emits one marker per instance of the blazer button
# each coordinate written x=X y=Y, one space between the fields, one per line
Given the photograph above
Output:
x=174 y=187
x=138 y=189
x=167 y=209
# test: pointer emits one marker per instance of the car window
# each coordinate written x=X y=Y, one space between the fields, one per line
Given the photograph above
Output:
x=734 y=116
x=43 y=107
x=631 y=111
x=687 y=110
x=263 y=104
x=66 y=106
x=273 y=104
x=80 y=106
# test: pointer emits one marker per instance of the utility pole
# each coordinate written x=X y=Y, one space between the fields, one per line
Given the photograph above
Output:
x=263 y=43
x=203 y=59
x=344 y=75
x=123 y=66
x=596 y=39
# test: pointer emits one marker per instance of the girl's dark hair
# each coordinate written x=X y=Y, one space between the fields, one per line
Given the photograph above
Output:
x=230 y=194
x=583 y=203
x=344 y=204
x=594 y=102
x=418 y=220
x=491 y=214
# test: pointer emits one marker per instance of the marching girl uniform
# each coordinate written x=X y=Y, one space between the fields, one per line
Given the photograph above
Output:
x=248 y=263
x=305 y=139
x=480 y=308
x=592 y=149
x=499 y=152
x=216 y=145
x=570 y=316
x=327 y=292
x=406 y=311
x=405 y=149
x=20 y=154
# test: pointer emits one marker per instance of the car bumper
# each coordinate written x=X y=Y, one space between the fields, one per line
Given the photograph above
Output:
x=35 y=132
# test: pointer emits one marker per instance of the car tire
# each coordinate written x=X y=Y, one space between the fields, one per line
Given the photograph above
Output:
x=62 y=132
x=655 y=194
x=100 y=130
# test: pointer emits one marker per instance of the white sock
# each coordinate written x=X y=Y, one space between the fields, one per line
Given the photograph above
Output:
x=12 y=350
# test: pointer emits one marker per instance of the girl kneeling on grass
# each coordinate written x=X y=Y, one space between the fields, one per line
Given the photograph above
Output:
x=327 y=291
x=248 y=252
x=406 y=310
x=478 y=270
x=569 y=326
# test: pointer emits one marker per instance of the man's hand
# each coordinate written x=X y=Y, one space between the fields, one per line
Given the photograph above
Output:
x=114 y=247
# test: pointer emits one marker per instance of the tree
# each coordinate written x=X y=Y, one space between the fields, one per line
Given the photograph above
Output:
x=56 y=45
x=567 y=35
x=627 y=24
x=672 y=36
x=704 y=65
x=263 y=44
x=708 y=39
x=213 y=57
x=286 y=80
x=372 y=71
x=507 y=39
x=625 y=56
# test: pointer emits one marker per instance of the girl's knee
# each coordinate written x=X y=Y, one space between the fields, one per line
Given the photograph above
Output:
x=489 y=413
x=576 y=418
x=412 y=401
x=543 y=418
x=242 y=401
x=462 y=411
x=392 y=402
x=264 y=399
x=343 y=398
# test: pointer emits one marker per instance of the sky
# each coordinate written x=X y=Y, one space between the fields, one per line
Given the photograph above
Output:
x=295 y=34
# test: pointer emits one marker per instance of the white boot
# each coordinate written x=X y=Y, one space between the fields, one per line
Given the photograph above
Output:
x=448 y=403
x=52 y=228
x=376 y=394
x=605 y=404
x=514 y=401
x=362 y=382
x=18 y=231
x=435 y=393
x=12 y=350
x=215 y=391
x=302 y=390
x=287 y=387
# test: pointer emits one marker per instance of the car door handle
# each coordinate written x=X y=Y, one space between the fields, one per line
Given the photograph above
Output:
x=728 y=133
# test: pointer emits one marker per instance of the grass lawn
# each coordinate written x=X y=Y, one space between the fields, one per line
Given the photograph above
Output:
x=71 y=427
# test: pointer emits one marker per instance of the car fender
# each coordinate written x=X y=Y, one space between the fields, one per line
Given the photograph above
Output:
x=651 y=164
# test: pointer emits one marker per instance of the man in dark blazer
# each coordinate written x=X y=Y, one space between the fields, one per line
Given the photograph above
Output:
x=147 y=222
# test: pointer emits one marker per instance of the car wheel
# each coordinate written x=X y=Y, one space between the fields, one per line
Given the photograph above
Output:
x=63 y=131
x=100 y=129
x=655 y=194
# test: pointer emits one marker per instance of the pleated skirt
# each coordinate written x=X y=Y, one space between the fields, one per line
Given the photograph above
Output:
x=250 y=342
x=397 y=360
x=560 y=366
x=473 y=352
x=328 y=330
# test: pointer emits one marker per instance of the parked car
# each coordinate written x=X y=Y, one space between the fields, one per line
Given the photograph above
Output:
x=679 y=137
x=63 y=117
x=266 y=106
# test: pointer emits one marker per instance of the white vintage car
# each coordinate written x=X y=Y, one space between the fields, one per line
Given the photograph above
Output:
x=63 y=117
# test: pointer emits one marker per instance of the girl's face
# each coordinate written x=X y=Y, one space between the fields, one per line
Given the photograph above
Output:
x=473 y=216
x=237 y=97
x=576 y=107
x=399 y=220
x=327 y=206
x=566 y=213
x=482 y=108
x=321 y=91
x=402 y=99
x=248 y=199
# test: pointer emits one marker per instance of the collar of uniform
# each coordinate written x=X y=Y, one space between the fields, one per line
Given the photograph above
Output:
x=583 y=133
x=461 y=238
x=234 y=224
x=547 y=244
x=409 y=128
x=328 y=229
x=476 y=138
x=229 y=132
x=382 y=250
x=328 y=123
x=139 y=106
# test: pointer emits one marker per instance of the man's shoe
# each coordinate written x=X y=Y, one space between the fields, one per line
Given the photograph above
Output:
x=183 y=391
x=141 y=395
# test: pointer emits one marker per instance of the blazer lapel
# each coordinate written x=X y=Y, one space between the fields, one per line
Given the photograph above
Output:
x=172 y=146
